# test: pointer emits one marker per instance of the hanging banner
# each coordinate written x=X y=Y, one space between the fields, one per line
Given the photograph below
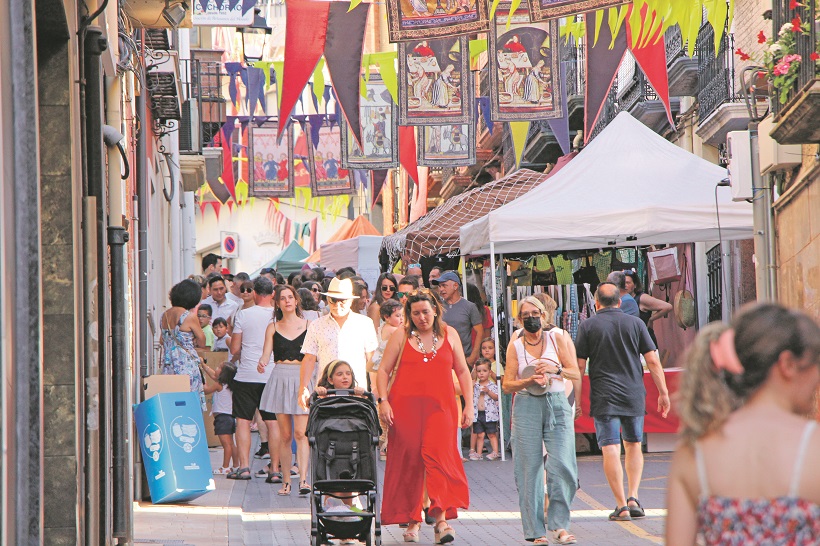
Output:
x=525 y=70
x=418 y=19
x=542 y=10
x=272 y=172
x=446 y=145
x=435 y=82
x=327 y=176
x=380 y=126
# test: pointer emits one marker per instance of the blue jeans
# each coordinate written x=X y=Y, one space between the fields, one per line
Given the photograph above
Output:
x=538 y=422
x=610 y=428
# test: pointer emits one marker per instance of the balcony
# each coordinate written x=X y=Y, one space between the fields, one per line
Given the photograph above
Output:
x=797 y=119
x=636 y=96
x=682 y=70
x=572 y=55
x=720 y=105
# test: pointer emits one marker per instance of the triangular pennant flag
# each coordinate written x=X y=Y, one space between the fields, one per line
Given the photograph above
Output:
x=407 y=151
x=256 y=90
x=560 y=126
x=227 y=156
x=278 y=71
x=202 y=209
x=386 y=62
x=265 y=67
x=316 y=122
x=519 y=131
x=219 y=190
x=602 y=67
x=217 y=206
x=651 y=58
x=305 y=33
x=233 y=69
x=343 y=53
x=484 y=106
x=378 y=183
x=319 y=81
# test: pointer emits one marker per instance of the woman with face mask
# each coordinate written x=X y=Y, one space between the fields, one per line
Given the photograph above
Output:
x=538 y=363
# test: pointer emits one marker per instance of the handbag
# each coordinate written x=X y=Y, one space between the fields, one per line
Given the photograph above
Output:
x=684 y=306
x=663 y=265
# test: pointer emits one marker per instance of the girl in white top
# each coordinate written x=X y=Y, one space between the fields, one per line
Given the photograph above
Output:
x=222 y=410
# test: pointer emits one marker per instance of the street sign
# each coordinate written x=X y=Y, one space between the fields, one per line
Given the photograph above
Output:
x=230 y=244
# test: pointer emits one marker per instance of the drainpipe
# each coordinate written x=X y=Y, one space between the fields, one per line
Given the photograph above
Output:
x=142 y=220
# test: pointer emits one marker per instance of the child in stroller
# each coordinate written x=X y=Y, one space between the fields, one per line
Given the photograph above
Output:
x=343 y=433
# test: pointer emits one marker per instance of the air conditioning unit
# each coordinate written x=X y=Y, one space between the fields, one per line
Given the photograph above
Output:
x=739 y=149
x=190 y=132
x=774 y=156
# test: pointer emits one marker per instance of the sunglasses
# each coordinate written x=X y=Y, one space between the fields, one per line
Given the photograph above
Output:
x=388 y=288
x=315 y=289
x=400 y=295
x=245 y=290
x=336 y=300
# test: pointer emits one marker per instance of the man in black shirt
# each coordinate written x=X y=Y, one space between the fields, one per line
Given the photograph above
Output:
x=614 y=342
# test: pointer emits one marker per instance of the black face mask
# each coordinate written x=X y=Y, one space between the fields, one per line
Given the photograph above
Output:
x=532 y=324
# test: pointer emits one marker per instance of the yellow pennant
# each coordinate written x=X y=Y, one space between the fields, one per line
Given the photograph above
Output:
x=519 y=130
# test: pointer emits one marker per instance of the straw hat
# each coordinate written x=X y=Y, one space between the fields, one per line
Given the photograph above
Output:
x=340 y=289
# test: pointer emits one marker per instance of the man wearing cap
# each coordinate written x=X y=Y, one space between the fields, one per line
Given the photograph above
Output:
x=461 y=314
x=415 y=269
x=340 y=335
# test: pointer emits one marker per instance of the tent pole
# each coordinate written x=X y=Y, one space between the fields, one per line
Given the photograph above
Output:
x=497 y=353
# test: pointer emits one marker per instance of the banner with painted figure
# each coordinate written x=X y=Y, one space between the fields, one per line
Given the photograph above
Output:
x=327 y=176
x=524 y=78
x=543 y=10
x=435 y=82
x=380 y=125
x=272 y=171
x=419 y=19
x=446 y=145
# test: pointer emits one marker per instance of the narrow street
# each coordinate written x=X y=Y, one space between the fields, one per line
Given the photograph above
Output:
x=250 y=513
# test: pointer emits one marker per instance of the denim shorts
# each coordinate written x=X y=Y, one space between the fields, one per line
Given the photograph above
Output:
x=610 y=428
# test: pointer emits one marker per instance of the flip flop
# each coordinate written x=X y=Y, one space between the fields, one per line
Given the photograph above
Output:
x=304 y=488
x=635 y=511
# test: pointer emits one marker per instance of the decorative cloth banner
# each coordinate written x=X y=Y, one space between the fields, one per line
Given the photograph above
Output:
x=542 y=10
x=226 y=142
x=418 y=206
x=343 y=53
x=603 y=62
x=407 y=151
x=560 y=126
x=446 y=145
x=380 y=129
x=219 y=190
x=419 y=19
x=272 y=172
x=378 y=178
x=327 y=177
x=435 y=82
x=305 y=33
x=522 y=78
x=519 y=130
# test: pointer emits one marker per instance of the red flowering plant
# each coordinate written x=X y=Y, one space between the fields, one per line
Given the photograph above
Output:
x=780 y=58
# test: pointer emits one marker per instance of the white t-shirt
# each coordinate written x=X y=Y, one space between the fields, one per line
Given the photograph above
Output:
x=222 y=401
x=252 y=323
x=328 y=342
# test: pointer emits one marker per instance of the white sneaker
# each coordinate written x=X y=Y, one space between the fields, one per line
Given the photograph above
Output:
x=475 y=456
x=222 y=470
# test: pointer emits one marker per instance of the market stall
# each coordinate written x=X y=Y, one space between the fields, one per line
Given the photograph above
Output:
x=287 y=261
x=351 y=228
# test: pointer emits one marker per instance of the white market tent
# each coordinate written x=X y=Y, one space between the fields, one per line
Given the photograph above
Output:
x=361 y=253
x=630 y=186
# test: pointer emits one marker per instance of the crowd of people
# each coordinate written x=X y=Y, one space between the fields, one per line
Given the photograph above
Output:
x=425 y=355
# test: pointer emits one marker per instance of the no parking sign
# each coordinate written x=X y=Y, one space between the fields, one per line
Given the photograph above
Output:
x=230 y=244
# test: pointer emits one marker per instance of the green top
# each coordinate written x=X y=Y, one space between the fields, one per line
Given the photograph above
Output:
x=209 y=336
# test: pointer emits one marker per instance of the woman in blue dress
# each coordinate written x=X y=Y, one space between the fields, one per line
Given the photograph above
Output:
x=181 y=332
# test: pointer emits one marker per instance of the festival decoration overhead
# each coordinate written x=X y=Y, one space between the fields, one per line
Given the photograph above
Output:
x=327 y=176
x=603 y=61
x=446 y=145
x=272 y=174
x=380 y=126
x=407 y=151
x=420 y=19
x=560 y=126
x=435 y=82
x=543 y=10
x=519 y=130
x=524 y=67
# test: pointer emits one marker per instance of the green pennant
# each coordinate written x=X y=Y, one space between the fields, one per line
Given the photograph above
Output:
x=319 y=80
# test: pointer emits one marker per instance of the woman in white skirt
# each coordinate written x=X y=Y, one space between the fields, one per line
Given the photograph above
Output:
x=284 y=337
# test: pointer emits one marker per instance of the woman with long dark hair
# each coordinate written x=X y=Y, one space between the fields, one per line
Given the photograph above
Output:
x=386 y=288
x=308 y=303
x=181 y=334
x=650 y=308
x=748 y=399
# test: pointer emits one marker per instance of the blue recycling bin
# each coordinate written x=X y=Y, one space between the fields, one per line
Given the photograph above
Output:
x=174 y=447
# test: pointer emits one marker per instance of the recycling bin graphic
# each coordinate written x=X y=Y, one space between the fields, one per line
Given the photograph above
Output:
x=174 y=447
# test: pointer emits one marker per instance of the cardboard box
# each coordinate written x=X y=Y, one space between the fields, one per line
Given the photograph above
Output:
x=155 y=384
x=172 y=440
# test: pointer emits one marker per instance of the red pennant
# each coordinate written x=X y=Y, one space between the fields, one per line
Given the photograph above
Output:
x=230 y=206
x=407 y=151
x=217 y=207
x=652 y=60
x=313 y=226
x=305 y=34
x=226 y=141
x=202 y=208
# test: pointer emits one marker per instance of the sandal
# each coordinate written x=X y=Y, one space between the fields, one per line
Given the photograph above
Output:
x=541 y=540
x=565 y=538
x=294 y=470
x=412 y=532
x=304 y=488
x=243 y=473
x=635 y=511
x=428 y=519
x=274 y=477
x=616 y=515
x=444 y=533
x=285 y=491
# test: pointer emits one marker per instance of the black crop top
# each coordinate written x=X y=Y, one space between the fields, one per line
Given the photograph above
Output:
x=285 y=349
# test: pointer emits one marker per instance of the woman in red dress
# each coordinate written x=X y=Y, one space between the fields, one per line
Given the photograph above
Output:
x=423 y=418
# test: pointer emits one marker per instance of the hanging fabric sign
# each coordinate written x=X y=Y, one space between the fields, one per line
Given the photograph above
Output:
x=435 y=82
x=272 y=172
x=524 y=76
x=379 y=121
x=446 y=145
x=542 y=10
x=327 y=176
x=418 y=19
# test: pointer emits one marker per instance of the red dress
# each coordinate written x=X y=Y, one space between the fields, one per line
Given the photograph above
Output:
x=422 y=440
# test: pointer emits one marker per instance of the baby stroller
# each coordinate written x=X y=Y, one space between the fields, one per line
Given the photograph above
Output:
x=343 y=432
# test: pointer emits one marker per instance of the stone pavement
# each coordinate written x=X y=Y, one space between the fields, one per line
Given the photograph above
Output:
x=250 y=513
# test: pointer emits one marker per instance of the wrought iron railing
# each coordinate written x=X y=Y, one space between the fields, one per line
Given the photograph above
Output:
x=609 y=110
x=572 y=55
x=673 y=41
x=714 y=275
x=806 y=44
x=716 y=72
x=203 y=111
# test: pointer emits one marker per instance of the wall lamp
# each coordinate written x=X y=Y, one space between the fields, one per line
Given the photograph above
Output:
x=112 y=138
x=254 y=38
x=174 y=13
